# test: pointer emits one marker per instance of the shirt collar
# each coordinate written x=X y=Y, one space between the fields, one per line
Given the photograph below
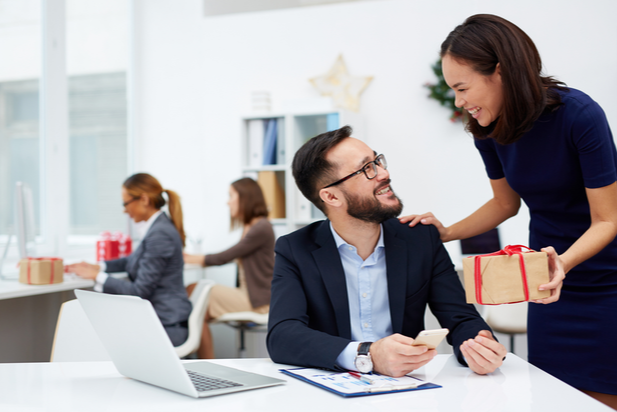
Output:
x=146 y=227
x=341 y=242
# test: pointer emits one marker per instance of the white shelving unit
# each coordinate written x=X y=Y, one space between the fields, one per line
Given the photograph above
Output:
x=294 y=129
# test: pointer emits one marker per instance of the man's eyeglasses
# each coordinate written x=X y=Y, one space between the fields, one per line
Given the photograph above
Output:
x=128 y=202
x=369 y=170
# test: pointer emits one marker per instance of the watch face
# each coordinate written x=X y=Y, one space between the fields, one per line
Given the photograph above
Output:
x=364 y=364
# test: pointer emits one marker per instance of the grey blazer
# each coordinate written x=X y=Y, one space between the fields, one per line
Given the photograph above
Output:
x=155 y=273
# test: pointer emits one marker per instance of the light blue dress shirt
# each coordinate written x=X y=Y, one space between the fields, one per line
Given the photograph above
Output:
x=367 y=292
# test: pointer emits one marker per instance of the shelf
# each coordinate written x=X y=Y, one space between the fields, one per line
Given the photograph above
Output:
x=261 y=139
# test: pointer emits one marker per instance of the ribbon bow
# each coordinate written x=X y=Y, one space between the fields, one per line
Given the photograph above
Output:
x=509 y=250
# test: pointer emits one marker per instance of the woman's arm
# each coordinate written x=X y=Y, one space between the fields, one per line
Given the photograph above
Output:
x=257 y=235
x=603 y=228
x=159 y=252
x=504 y=204
x=194 y=259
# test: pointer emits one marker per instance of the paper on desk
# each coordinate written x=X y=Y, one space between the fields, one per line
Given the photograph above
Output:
x=346 y=384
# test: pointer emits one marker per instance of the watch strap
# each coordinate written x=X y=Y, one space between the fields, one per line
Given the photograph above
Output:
x=364 y=348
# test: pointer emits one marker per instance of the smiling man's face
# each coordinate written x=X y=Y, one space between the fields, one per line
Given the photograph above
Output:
x=370 y=200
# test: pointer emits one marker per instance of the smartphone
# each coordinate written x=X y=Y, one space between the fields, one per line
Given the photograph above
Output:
x=430 y=338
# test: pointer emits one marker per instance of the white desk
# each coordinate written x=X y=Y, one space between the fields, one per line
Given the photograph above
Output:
x=10 y=289
x=97 y=386
x=28 y=316
x=29 y=313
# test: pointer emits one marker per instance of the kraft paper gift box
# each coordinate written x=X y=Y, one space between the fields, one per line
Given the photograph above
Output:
x=41 y=271
x=501 y=277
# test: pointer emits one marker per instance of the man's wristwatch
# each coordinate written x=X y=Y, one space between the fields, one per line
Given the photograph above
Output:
x=363 y=360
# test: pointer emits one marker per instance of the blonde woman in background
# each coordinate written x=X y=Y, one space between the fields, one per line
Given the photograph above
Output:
x=155 y=267
x=254 y=254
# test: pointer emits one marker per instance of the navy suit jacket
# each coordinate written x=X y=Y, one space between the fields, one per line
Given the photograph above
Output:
x=155 y=273
x=309 y=321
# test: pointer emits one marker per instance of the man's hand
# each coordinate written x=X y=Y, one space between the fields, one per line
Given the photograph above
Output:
x=483 y=353
x=394 y=355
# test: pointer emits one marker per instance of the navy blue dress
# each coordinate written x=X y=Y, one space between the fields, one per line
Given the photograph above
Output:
x=549 y=167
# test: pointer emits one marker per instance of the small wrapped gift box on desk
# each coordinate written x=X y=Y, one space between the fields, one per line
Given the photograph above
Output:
x=510 y=275
x=41 y=271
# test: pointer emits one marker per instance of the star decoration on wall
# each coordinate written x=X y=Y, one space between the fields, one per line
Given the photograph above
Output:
x=344 y=88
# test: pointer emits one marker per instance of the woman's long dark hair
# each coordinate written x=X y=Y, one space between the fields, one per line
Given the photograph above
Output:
x=484 y=40
x=251 y=203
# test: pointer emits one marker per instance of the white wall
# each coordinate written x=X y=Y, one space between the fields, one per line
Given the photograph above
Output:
x=194 y=77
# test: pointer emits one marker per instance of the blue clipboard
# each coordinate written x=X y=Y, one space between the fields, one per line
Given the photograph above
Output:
x=330 y=380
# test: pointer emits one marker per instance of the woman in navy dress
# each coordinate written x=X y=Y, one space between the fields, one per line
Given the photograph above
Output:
x=552 y=147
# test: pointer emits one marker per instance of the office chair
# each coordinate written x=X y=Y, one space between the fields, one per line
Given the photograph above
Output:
x=75 y=339
x=199 y=298
x=244 y=322
x=509 y=319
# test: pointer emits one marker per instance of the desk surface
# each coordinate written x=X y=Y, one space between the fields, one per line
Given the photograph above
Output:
x=13 y=289
x=97 y=386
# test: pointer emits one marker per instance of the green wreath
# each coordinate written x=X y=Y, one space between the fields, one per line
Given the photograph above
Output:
x=443 y=93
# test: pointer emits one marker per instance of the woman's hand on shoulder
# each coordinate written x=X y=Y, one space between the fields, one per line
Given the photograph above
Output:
x=194 y=259
x=556 y=275
x=425 y=219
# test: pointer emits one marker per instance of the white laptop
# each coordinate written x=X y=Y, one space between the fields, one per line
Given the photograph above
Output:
x=138 y=345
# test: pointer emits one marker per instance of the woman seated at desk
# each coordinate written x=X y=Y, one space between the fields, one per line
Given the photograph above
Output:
x=155 y=267
x=254 y=255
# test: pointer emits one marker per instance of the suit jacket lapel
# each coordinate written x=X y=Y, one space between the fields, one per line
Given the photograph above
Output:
x=331 y=270
x=396 y=267
x=134 y=257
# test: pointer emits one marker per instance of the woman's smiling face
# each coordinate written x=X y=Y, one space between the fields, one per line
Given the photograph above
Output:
x=480 y=95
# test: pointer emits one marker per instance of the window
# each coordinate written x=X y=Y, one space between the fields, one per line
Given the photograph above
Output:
x=77 y=165
x=20 y=34
x=98 y=155
x=96 y=63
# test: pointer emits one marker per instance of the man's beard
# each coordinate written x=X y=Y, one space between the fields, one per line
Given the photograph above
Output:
x=370 y=209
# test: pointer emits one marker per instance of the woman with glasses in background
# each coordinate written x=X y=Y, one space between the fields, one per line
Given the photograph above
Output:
x=254 y=254
x=155 y=268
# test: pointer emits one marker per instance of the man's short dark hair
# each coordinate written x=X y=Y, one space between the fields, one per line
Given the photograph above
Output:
x=310 y=168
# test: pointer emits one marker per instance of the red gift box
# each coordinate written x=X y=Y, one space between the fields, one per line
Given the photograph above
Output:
x=125 y=244
x=106 y=247
x=115 y=246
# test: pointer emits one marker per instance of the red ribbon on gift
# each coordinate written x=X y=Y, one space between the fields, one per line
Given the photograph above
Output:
x=51 y=277
x=508 y=250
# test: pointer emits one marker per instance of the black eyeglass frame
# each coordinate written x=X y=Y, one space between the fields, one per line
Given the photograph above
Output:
x=380 y=160
x=125 y=204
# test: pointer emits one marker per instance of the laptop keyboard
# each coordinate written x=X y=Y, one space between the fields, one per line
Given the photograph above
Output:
x=206 y=383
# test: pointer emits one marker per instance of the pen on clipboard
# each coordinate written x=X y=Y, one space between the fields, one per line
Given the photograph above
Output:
x=362 y=377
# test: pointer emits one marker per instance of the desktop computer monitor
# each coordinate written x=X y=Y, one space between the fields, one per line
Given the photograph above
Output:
x=24 y=220
x=23 y=227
